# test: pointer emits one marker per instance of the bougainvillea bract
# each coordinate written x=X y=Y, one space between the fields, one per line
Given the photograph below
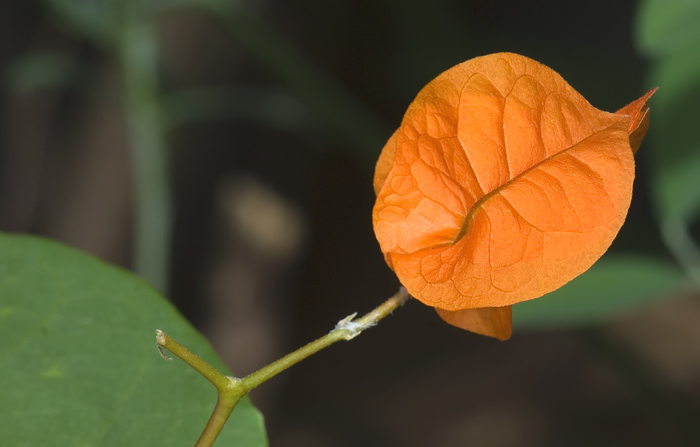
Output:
x=501 y=184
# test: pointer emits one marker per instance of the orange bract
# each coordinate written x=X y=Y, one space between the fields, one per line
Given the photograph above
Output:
x=502 y=184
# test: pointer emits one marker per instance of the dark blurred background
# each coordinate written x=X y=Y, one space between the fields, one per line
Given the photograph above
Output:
x=269 y=116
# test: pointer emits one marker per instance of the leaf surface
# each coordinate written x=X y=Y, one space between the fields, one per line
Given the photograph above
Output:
x=78 y=358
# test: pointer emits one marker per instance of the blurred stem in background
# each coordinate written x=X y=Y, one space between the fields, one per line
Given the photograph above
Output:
x=360 y=133
x=153 y=229
x=680 y=242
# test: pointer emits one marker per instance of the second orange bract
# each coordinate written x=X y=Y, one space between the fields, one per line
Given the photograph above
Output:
x=502 y=184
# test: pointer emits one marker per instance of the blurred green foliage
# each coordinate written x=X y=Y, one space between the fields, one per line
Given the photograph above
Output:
x=666 y=26
x=614 y=286
x=277 y=108
x=103 y=21
x=668 y=33
x=40 y=70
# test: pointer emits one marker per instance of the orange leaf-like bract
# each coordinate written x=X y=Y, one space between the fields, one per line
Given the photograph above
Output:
x=502 y=184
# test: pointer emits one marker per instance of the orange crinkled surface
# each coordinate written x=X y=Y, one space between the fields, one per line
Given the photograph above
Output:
x=501 y=184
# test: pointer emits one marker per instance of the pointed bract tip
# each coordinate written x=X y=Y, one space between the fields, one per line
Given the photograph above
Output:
x=638 y=111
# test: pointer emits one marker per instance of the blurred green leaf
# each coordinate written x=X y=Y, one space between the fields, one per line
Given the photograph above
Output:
x=40 y=70
x=96 y=19
x=272 y=107
x=101 y=20
x=614 y=285
x=665 y=26
x=78 y=358
x=674 y=133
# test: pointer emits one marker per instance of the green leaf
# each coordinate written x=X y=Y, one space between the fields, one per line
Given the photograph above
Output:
x=675 y=147
x=78 y=358
x=101 y=20
x=614 y=285
x=665 y=26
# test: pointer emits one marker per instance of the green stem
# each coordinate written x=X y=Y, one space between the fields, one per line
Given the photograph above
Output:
x=231 y=389
x=225 y=404
x=346 y=329
x=209 y=372
x=139 y=58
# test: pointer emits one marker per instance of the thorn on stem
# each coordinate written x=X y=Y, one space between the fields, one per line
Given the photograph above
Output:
x=345 y=321
x=354 y=328
x=160 y=340
x=162 y=354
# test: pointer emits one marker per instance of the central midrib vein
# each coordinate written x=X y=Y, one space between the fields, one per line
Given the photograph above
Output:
x=470 y=214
